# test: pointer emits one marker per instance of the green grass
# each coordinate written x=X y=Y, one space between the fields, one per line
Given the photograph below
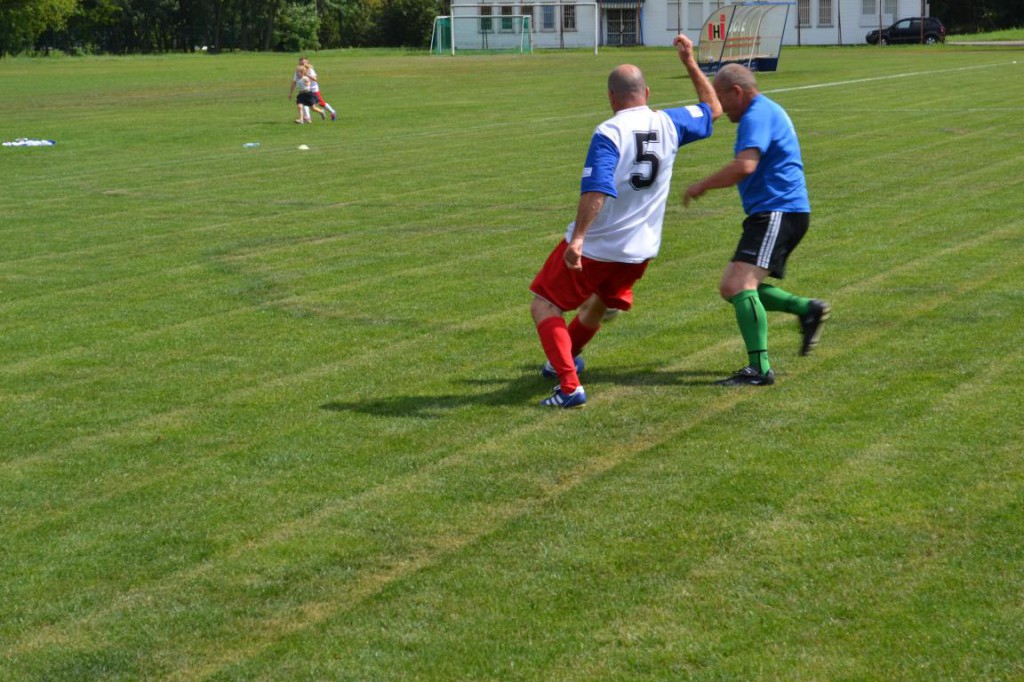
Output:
x=271 y=414
x=1005 y=34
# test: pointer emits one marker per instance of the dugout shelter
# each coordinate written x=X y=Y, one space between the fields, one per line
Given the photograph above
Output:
x=747 y=33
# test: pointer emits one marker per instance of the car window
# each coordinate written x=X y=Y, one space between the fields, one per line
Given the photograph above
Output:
x=902 y=25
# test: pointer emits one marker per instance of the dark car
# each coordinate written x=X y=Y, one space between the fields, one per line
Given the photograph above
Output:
x=909 y=31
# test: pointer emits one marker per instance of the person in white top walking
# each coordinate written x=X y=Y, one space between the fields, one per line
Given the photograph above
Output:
x=625 y=185
x=311 y=72
x=305 y=99
x=305 y=81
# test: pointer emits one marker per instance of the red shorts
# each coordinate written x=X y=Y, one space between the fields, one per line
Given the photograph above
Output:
x=567 y=289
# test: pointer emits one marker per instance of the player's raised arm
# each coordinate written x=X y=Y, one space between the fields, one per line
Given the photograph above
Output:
x=705 y=92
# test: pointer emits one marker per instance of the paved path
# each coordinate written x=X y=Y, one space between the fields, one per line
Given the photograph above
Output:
x=993 y=43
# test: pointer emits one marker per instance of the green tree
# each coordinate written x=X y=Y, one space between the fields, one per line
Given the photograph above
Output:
x=91 y=26
x=354 y=22
x=297 y=28
x=970 y=16
x=22 y=22
x=407 y=23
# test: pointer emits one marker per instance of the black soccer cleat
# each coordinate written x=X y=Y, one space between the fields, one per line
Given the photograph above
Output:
x=811 y=324
x=748 y=376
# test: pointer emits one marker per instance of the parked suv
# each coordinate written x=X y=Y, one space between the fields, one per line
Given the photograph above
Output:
x=909 y=31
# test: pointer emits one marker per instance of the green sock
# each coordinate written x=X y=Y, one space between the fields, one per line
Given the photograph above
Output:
x=753 y=322
x=774 y=298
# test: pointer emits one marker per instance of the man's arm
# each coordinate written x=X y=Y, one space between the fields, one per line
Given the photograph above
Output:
x=730 y=174
x=590 y=205
x=705 y=91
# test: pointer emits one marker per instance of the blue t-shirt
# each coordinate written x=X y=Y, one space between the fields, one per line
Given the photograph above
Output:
x=778 y=183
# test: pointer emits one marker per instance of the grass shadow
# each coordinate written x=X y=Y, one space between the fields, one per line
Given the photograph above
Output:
x=528 y=388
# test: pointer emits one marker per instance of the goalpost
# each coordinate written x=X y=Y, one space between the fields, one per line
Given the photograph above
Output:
x=509 y=32
x=544 y=24
x=748 y=33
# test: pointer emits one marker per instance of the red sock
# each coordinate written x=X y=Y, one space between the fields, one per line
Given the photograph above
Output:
x=554 y=337
x=580 y=334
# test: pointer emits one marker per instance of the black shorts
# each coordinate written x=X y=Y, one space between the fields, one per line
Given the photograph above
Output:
x=307 y=99
x=768 y=239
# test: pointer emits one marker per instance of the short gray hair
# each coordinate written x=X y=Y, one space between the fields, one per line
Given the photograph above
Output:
x=736 y=74
x=627 y=81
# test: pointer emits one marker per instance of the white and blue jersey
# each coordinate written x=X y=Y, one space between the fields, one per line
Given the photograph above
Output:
x=630 y=160
x=778 y=183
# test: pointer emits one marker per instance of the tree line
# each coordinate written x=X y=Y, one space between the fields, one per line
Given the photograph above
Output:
x=150 y=26
x=979 y=16
x=147 y=26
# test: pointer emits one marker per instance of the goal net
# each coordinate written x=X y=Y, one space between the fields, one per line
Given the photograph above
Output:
x=501 y=33
x=747 y=33
x=547 y=24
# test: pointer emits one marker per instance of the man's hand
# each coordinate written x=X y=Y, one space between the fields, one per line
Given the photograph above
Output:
x=693 y=192
x=684 y=46
x=573 y=256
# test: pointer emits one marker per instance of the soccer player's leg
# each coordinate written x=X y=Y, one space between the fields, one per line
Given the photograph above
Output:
x=753 y=323
x=586 y=323
x=739 y=286
x=325 y=105
x=612 y=284
x=774 y=298
x=811 y=312
x=557 y=289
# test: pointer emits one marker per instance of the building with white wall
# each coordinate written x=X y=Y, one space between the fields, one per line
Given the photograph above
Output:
x=562 y=23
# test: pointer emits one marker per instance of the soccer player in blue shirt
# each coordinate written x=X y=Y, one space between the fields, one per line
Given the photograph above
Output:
x=617 y=231
x=769 y=172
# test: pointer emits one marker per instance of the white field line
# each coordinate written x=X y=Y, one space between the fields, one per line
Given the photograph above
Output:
x=873 y=79
x=908 y=74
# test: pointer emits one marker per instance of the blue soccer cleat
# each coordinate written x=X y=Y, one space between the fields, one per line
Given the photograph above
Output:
x=568 y=401
x=548 y=372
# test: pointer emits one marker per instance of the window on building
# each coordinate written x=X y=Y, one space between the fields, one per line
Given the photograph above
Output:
x=675 y=16
x=803 y=13
x=547 y=18
x=568 y=17
x=485 y=24
x=869 y=8
x=825 y=13
x=695 y=14
x=506 y=18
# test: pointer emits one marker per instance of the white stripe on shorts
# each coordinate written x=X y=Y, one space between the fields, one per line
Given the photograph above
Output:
x=764 y=256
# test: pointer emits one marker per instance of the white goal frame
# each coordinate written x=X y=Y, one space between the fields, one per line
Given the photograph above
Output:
x=468 y=9
x=520 y=32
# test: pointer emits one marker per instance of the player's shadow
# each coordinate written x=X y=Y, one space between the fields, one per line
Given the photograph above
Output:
x=525 y=390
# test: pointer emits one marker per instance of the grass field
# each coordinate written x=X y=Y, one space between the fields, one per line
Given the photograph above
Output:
x=271 y=414
x=1006 y=34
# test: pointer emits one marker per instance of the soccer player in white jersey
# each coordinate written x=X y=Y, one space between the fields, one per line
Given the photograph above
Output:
x=305 y=82
x=311 y=72
x=617 y=230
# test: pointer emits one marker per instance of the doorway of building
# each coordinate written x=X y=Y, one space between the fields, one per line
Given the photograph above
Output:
x=621 y=25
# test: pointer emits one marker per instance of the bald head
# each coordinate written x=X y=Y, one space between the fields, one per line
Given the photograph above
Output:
x=627 y=86
x=735 y=74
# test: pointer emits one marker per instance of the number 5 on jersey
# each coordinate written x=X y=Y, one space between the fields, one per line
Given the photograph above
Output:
x=641 y=180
